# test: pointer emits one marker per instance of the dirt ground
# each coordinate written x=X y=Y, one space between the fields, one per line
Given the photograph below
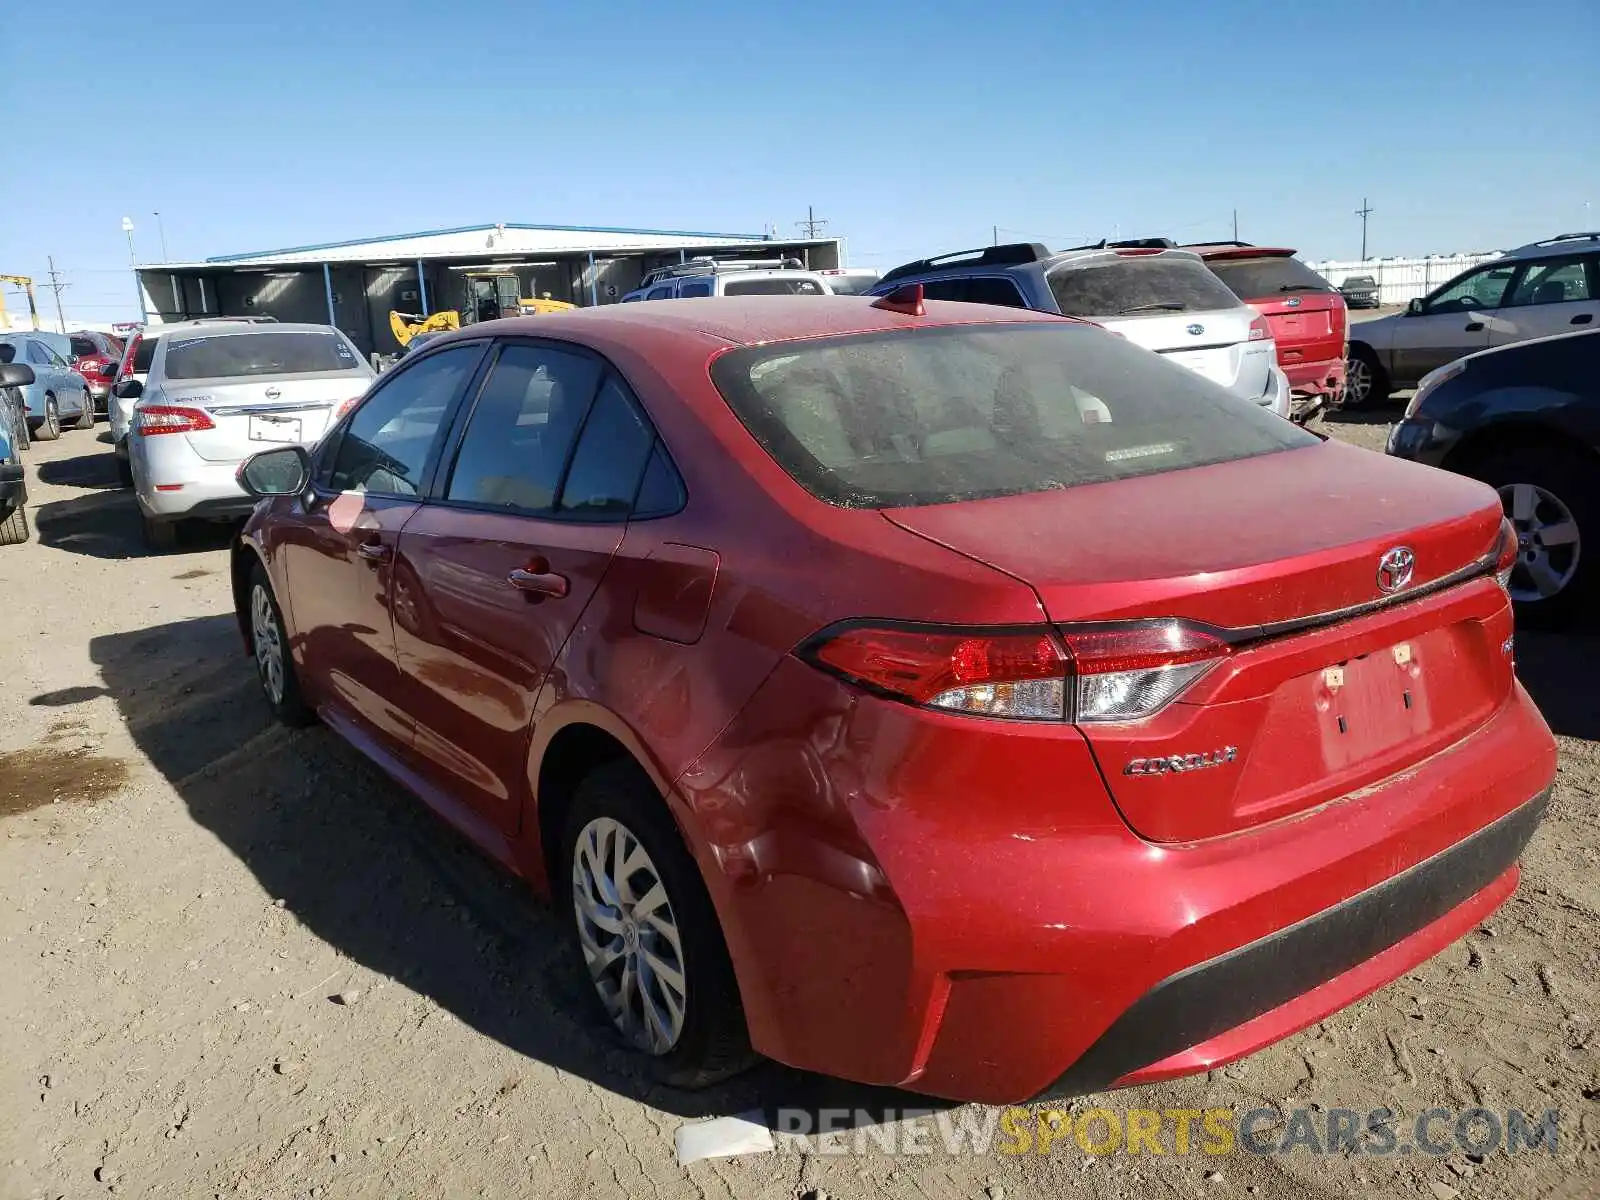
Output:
x=238 y=962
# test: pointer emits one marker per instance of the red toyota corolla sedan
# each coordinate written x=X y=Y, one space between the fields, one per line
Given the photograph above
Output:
x=947 y=696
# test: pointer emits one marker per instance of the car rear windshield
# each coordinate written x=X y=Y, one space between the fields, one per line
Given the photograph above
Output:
x=933 y=415
x=1268 y=278
x=771 y=287
x=1137 y=283
x=83 y=347
x=269 y=352
x=851 y=285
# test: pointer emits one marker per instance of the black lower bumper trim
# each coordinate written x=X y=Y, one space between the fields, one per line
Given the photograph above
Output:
x=1212 y=997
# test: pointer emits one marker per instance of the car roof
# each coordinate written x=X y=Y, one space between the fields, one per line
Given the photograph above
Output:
x=743 y=320
x=1561 y=244
x=230 y=328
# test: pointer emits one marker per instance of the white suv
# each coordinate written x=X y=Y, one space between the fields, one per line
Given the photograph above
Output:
x=214 y=395
x=712 y=277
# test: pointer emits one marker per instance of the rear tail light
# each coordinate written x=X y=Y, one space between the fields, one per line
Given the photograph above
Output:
x=169 y=418
x=1505 y=553
x=1084 y=673
x=1260 y=331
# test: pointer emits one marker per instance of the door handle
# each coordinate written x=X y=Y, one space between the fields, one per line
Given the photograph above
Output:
x=1581 y=319
x=538 y=583
x=1474 y=326
x=373 y=551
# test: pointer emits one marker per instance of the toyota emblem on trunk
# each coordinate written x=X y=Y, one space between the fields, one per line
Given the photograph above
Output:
x=1395 y=568
x=1197 y=330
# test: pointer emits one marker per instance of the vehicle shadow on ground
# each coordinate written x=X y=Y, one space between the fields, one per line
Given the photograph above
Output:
x=1559 y=672
x=1367 y=414
x=104 y=522
x=368 y=869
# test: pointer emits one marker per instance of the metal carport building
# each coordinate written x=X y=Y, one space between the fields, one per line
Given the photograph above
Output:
x=356 y=284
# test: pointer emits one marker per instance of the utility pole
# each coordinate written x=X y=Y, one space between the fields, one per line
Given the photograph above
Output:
x=996 y=241
x=55 y=286
x=1236 y=224
x=1364 y=212
x=162 y=229
x=812 y=223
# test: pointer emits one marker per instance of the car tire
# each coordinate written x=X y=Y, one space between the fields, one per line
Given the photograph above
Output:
x=1365 y=380
x=86 y=413
x=49 y=427
x=14 y=529
x=269 y=646
x=24 y=434
x=1549 y=484
x=709 y=1040
x=160 y=536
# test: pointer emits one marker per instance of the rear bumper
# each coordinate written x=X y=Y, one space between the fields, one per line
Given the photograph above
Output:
x=1324 y=378
x=1301 y=972
x=975 y=902
x=174 y=483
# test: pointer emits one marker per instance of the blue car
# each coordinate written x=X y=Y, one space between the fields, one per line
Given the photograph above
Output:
x=13 y=490
x=58 y=393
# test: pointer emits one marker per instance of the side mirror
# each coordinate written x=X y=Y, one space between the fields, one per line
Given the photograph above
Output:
x=284 y=471
x=16 y=375
x=1414 y=309
x=127 y=389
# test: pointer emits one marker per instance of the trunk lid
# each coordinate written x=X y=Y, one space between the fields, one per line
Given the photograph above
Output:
x=1212 y=344
x=1316 y=700
x=258 y=412
x=1305 y=313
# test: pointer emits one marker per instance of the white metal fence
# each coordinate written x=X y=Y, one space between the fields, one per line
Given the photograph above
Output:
x=1403 y=279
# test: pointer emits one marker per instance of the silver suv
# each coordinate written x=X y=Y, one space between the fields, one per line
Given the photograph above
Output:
x=1155 y=295
x=723 y=277
x=1544 y=287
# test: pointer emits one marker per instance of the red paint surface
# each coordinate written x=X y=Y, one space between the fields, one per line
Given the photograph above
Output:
x=971 y=892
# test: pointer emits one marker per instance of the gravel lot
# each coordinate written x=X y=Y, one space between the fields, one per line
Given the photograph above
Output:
x=238 y=962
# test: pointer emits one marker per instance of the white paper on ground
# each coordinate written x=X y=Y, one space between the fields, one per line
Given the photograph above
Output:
x=723 y=1137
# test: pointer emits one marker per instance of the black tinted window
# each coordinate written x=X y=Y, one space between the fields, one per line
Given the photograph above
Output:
x=945 y=289
x=1138 y=283
x=83 y=347
x=521 y=428
x=696 y=287
x=610 y=457
x=385 y=447
x=143 y=356
x=932 y=415
x=661 y=491
x=1267 y=278
x=772 y=287
x=994 y=291
x=271 y=352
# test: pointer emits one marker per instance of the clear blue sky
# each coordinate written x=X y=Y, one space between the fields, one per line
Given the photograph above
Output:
x=1469 y=124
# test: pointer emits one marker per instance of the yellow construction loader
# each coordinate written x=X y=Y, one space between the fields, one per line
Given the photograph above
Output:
x=486 y=296
x=26 y=284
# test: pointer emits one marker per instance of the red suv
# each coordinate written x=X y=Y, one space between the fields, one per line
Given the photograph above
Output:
x=946 y=667
x=96 y=358
x=1306 y=314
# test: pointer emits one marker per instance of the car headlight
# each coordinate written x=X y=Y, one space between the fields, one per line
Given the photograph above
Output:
x=1431 y=382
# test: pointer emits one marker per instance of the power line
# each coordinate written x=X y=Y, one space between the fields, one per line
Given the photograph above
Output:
x=55 y=286
x=1364 y=212
x=812 y=223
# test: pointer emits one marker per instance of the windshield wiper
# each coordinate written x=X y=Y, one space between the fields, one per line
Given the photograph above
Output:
x=1303 y=287
x=1169 y=305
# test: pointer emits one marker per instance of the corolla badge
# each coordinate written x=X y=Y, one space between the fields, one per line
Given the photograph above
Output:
x=1395 y=569
x=1197 y=330
x=1172 y=764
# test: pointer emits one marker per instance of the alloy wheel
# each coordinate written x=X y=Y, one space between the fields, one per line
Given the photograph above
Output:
x=1548 y=544
x=268 y=643
x=629 y=935
x=1357 y=381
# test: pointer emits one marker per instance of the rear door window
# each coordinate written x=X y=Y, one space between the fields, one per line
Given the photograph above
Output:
x=610 y=457
x=697 y=287
x=946 y=413
x=84 y=347
x=1268 y=277
x=521 y=430
x=772 y=287
x=270 y=352
x=145 y=355
x=1137 y=283
x=1551 y=281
